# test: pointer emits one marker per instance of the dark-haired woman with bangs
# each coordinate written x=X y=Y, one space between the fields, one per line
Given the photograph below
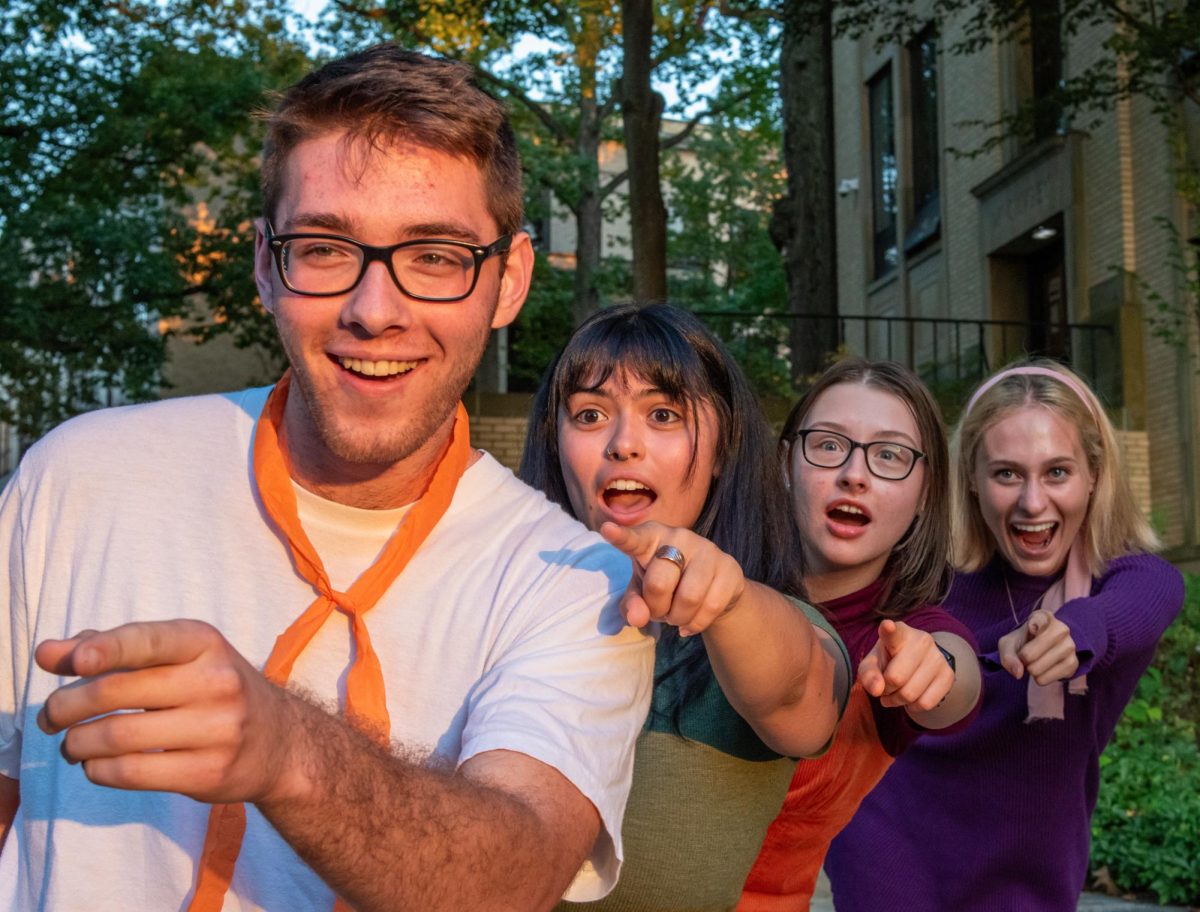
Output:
x=646 y=430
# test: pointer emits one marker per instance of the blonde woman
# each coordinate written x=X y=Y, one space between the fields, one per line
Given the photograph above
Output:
x=1067 y=606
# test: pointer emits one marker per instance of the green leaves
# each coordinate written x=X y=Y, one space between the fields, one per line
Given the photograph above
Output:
x=1147 y=821
x=559 y=67
x=127 y=188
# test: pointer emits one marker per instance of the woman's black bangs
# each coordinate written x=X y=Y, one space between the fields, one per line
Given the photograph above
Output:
x=636 y=347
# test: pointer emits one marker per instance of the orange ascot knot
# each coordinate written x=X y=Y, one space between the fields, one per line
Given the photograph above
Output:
x=366 y=699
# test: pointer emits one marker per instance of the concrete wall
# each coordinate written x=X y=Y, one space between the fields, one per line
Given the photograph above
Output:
x=217 y=366
x=503 y=437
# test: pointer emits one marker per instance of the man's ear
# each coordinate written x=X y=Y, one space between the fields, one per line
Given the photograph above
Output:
x=514 y=284
x=264 y=267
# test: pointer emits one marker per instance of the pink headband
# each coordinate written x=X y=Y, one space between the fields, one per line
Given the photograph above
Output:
x=1033 y=370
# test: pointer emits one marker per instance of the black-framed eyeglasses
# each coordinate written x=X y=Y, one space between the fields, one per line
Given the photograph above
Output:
x=428 y=269
x=831 y=450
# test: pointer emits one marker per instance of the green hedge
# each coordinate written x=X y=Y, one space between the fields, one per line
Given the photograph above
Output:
x=1146 y=829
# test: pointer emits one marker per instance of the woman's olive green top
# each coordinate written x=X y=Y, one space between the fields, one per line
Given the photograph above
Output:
x=700 y=804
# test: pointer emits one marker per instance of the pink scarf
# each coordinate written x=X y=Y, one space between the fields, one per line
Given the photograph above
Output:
x=1046 y=701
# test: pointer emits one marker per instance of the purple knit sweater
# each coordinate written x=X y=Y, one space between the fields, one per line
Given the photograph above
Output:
x=996 y=818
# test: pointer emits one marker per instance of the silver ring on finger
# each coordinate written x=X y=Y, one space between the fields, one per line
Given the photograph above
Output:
x=672 y=554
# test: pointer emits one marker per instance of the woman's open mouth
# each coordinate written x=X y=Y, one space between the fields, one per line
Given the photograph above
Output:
x=624 y=496
x=848 y=514
x=1033 y=539
x=846 y=520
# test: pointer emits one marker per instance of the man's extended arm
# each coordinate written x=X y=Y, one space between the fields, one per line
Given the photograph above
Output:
x=503 y=832
x=10 y=798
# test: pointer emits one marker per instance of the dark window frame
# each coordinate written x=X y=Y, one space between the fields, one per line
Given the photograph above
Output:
x=1044 y=58
x=924 y=158
x=885 y=213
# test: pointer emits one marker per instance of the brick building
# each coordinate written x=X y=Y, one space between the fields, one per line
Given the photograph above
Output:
x=1026 y=247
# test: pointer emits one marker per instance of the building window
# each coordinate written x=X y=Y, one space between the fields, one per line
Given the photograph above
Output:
x=883 y=172
x=924 y=221
x=1039 y=69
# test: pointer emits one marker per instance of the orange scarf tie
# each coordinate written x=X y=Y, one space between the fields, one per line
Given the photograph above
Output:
x=366 y=701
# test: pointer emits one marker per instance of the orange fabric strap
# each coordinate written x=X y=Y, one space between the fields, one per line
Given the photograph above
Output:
x=824 y=794
x=366 y=700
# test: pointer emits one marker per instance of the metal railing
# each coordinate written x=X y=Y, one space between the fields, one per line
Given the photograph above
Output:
x=8 y=451
x=945 y=352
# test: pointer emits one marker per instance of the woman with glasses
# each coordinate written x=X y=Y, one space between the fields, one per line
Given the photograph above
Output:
x=646 y=430
x=865 y=455
x=1067 y=606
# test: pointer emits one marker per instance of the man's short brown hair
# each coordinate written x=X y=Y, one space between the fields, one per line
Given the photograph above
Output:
x=387 y=94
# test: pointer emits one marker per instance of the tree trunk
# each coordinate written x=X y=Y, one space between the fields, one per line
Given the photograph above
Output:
x=641 y=112
x=588 y=224
x=588 y=212
x=803 y=224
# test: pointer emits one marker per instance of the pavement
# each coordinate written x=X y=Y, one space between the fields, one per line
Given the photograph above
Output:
x=1098 y=902
x=1088 y=902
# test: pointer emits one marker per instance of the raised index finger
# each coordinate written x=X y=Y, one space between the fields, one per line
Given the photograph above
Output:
x=891 y=635
x=141 y=644
x=1047 y=638
x=638 y=542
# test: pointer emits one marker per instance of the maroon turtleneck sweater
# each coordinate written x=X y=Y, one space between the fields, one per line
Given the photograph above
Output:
x=825 y=791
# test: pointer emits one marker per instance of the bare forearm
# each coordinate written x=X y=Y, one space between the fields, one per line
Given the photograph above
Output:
x=387 y=832
x=964 y=693
x=10 y=799
x=776 y=671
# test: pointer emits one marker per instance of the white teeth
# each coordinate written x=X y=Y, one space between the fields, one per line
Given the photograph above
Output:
x=847 y=508
x=1033 y=527
x=626 y=484
x=377 y=368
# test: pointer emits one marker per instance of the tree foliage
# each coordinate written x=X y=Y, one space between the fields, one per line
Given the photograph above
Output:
x=725 y=265
x=564 y=85
x=802 y=224
x=127 y=185
x=1147 y=821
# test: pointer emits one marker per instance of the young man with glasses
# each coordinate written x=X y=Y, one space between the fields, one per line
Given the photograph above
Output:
x=341 y=536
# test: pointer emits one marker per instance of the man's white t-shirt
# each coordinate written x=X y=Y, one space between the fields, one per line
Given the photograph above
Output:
x=501 y=633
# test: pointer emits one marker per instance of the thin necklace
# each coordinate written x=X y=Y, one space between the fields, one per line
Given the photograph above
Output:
x=1032 y=608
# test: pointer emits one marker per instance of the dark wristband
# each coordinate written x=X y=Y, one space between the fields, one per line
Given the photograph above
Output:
x=947 y=655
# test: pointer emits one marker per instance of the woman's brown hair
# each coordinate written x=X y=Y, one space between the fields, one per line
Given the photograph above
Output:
x=917 y=571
